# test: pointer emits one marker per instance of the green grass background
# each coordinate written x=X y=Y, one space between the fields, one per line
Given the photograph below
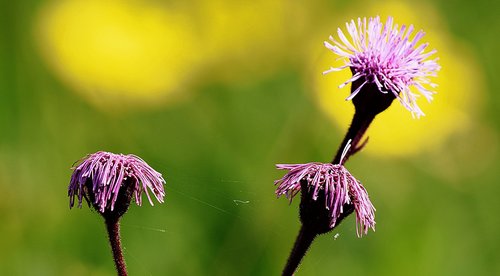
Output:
x=220 y=146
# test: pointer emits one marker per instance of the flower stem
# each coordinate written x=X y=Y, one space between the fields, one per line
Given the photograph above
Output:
x=359 y=124
x=113 y=227
x=302 y=243
x=312 y=228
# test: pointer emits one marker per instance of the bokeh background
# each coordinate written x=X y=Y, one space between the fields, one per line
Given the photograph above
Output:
x=213 y=94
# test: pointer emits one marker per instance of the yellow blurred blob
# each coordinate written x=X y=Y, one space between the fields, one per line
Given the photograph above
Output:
x=394 y=132
x=118 y=52
x=241 y=37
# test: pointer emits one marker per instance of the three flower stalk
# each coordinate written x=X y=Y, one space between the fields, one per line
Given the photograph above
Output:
x=386 y=62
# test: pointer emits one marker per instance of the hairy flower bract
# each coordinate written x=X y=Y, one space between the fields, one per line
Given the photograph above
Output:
x=338 y=186
x=105 y=174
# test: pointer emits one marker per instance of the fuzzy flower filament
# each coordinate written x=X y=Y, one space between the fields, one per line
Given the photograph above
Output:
x=105 y=175
x=339 y=188
x=386 y=56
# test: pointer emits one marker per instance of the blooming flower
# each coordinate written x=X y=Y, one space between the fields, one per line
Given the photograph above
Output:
x=339 y=187
x=385 y=55
x=106 y=174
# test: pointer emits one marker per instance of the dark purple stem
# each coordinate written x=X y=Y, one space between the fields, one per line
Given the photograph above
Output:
x=359 y=125
x=302 y=243
x=308 y=232
x=113 y=227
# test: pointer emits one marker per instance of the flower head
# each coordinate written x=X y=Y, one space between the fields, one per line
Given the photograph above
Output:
x=103 y=176
x=339 y=188
x=384 y=55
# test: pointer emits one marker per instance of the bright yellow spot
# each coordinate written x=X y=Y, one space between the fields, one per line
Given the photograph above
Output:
x=249 y=36
x=395 y=132
x=118 y=52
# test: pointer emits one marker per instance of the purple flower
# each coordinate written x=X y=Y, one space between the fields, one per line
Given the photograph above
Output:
x=104 y=175
x=386 y=56
x=338 y=186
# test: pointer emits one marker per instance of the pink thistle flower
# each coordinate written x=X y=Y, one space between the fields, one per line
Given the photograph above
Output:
x=339 y=187
x=386 y=56
x=102 y=176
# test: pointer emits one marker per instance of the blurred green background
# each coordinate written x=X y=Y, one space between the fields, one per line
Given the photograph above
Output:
x=212 y=94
